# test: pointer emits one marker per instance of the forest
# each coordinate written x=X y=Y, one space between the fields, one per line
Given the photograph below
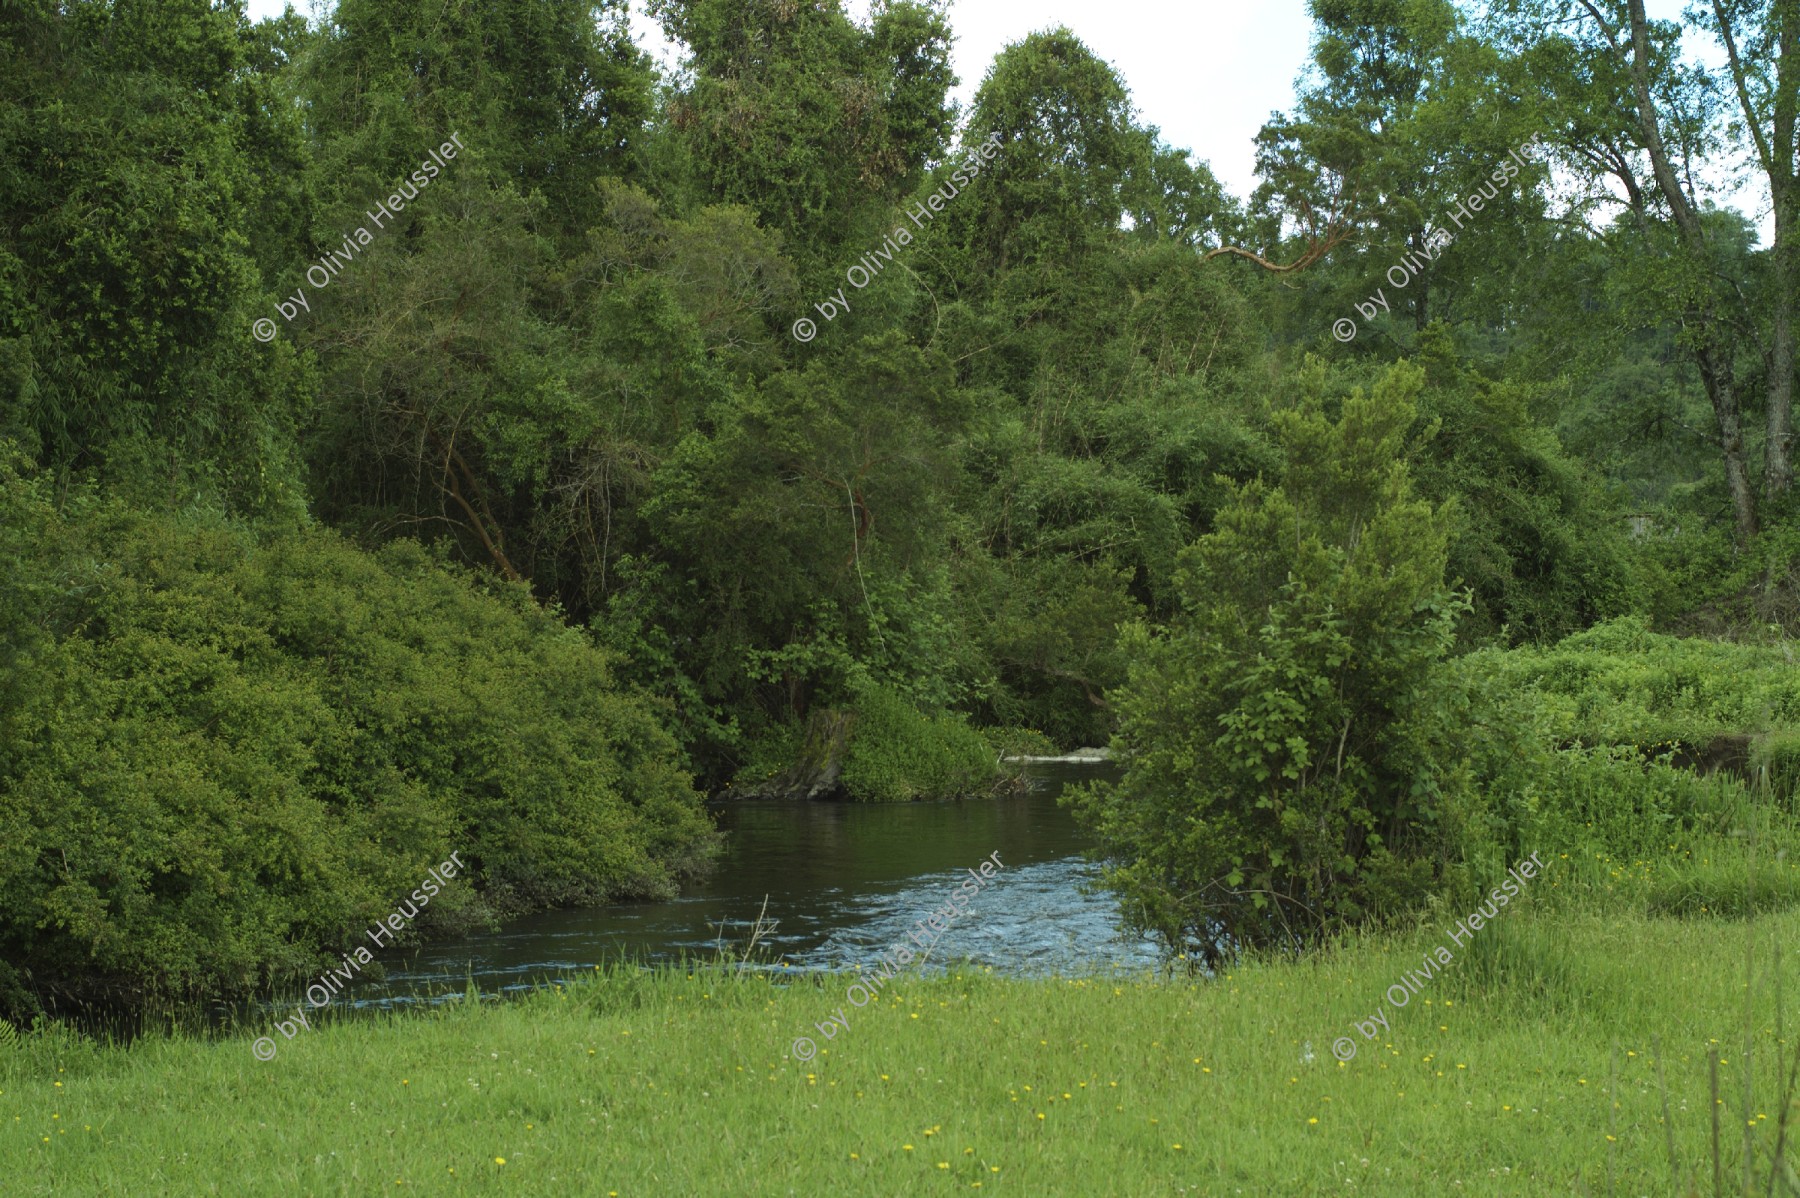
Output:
x=433 y=427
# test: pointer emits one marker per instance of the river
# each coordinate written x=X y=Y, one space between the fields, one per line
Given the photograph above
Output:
x=843 y=882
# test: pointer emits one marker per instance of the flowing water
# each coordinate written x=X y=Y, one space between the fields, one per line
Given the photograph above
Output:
x=843 y=882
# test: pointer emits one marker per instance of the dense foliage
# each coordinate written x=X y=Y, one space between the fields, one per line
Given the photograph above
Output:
x=538 y=519
x=223 y=749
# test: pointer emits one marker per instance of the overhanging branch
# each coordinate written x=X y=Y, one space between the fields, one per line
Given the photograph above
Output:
x=1321 y=239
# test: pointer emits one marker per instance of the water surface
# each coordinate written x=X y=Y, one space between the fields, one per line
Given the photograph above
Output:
x=843 y=883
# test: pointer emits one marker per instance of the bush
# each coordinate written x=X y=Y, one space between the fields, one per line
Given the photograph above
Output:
x=897 y=753
x=1620 y=683
x=1012 y=741
x=222 y=754
x=1558 y=741
x=1711 y=705
x=1283 y=741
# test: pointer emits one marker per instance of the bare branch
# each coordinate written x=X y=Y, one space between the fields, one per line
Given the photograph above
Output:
x=1319 y=242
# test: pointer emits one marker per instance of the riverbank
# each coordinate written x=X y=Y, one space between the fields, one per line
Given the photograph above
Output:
x=1495 y=1079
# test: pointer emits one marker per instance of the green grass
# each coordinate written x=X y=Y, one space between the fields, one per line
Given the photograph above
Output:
x=1495 y=1080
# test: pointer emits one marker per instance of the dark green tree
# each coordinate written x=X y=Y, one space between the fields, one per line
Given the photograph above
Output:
x=806 y=118
x=1282 y=737
x=552 y=96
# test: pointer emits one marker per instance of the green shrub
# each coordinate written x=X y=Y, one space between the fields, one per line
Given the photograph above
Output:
x=1018 y=742
x=1620 y=683
x=1611 y=798
x=1609 y=727
x=897 y=753
x=222 y=755
x=1286 y=743
x=767 y=754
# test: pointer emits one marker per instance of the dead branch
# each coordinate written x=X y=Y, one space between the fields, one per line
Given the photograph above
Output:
x=1320 y=240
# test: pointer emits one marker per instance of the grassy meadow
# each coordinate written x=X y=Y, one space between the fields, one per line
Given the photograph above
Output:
x=1529 y=1067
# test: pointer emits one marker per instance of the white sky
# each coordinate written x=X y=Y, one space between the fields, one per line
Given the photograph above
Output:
x=1207 y=73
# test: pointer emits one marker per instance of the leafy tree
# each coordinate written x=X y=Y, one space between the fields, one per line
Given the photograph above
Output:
x=826 y=487
x=1537 y=536
x=806 y=118
x=1633 y=110
x=1403 y=118
x=559 y=93
x=149 y=179
x=1281 y=737
x=1057 y=188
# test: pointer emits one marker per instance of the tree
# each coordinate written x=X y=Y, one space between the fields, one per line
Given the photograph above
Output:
x=798 y=542
x=559 y=92
x=1278 y=737
x=809 y=120
x=1062 y=119
x=1765 y=76
x=150 y=179
x=1639 y=114
x=1398 y=122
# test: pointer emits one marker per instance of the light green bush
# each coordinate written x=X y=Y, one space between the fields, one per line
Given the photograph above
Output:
x=222 y=754
x=898 y=753
x=1287 y=742
x=1620 y=683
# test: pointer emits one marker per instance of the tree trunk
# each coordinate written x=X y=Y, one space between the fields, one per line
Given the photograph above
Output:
x=1721 y=389
x=816 y=772
x=1712 y=350
x=1775 y=152
x=1778 y=466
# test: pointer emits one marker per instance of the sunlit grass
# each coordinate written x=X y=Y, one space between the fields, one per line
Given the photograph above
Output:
x=1495 y=1079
